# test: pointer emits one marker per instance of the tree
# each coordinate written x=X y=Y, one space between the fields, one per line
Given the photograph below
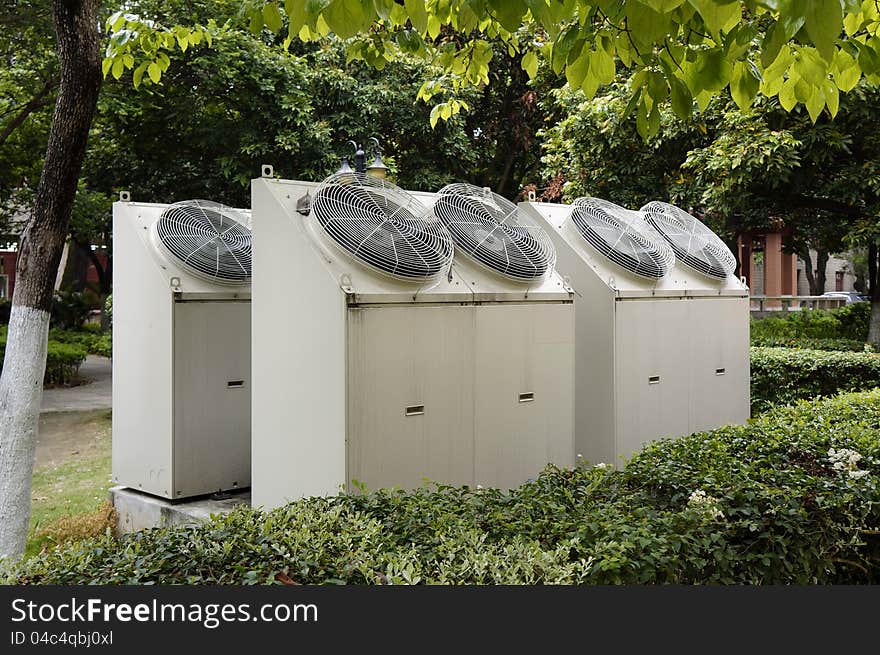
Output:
x=39 y=253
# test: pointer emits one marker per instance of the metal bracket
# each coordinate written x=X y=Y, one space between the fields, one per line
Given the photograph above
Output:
x=304 y=204
x=267 y=170
x=531 y=196
x=124 y=196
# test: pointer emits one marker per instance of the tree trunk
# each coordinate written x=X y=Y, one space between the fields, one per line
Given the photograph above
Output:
x=874 y=324
x=821 y=264
x=808 y=270
x=39 y=253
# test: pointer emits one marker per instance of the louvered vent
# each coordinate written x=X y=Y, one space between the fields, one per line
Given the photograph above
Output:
x=693 y=243
x=382 y=225
x=492 y=231
x=205 y=238
x=623 y=237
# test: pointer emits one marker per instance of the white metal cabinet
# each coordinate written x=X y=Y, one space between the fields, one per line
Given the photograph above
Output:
x=524 y=390
x=410 y=395
x=212 y=386
x=652 y=373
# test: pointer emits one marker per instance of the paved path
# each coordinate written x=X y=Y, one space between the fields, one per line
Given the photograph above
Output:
x=93 y=395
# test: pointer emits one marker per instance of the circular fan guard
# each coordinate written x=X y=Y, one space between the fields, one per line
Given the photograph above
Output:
x=693 y=243
x=628 y=242
x=382 y=225
x=492 y=231
x=205 y=238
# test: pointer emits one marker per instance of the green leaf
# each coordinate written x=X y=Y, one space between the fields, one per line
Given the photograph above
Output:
x=138 y=74
x=772 y=44
x=718 y=16
x=296 y=15
x=848 y=71
x=508 y=12
x=823 y=22
x=815 y=103
x=832 y=97
x=105 y=65
x=435 y=115
x=118 y=67
x=602 y=66
x=681 y=99
x=809 y=66
x=576 y=71
x=272 y=17
x=418 y=15
x=530 y=63
x=786 y=95
x=663 y=6
x=345 y=18
x=743 y=85
x=155 y=72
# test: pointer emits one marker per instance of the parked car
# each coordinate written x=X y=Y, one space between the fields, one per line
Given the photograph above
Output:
x=849 y=296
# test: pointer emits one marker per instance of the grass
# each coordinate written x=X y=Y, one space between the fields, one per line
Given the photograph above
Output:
x=69 y=494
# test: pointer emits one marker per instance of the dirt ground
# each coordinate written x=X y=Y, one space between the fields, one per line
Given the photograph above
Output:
x=67 y=435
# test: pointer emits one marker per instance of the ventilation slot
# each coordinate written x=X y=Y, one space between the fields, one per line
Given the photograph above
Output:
x=654 y=379
x=527 y=397
x=720 y=371
x=235 y=384
x=415 y=410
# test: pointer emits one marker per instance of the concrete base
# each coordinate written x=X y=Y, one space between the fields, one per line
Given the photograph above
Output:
x=140 y=511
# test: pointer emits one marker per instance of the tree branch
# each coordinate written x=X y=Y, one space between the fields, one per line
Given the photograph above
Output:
x=39 y=100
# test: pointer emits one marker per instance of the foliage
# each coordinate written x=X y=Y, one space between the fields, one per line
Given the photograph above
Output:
x=93 y=340
x=847 y=322
x=108 y=308
x=679 y=52
x=70 y=309
x=789 y=498
x=5 y=310
x=854 y=319
x=62 y=360
x=803 y=343
x=784 y=375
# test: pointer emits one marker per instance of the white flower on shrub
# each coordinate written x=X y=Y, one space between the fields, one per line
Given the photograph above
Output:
x=702 y=501
x=847 y=460
x=602 y=465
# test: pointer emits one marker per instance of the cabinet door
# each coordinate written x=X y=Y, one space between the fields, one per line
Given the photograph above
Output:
x=652 y=353
x=212 y=396
x=524 y=373
x=719 y=362
x=410 y=395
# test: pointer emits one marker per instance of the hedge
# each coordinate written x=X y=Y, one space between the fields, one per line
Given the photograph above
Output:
x=847 y=322
x=783 y=375
x=62 y=359
x=790 y=498
x=803 y=343
x=92 y=339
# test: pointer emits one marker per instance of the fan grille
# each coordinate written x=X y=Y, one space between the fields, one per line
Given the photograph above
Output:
x=382 y=225
x=204 y=238
x=493 y=231
x=693 y=243
x=628 y=242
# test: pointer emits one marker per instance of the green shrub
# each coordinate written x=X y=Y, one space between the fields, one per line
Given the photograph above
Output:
x=783 y=375
x=5 y=310
x=847 y=322
x=854 y=320
x=811 y=344
x=94 y=341
x=70 y=310
x=108 y=309
x=790 y=498
x=62 y=359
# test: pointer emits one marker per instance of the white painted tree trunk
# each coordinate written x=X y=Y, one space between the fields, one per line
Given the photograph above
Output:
x=21 y=390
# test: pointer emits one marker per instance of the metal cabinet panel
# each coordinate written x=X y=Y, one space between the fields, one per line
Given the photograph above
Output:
x=524 y=372
x=212 y=403
x=410 y=395
x=652 y=373
x=719 y=361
